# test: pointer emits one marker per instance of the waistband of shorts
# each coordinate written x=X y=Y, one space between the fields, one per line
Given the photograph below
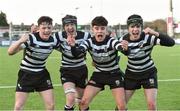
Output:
x=74 y=68
x=33 y=71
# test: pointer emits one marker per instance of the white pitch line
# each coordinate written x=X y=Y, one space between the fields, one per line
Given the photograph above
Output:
x=7 y=87
x=169 y=80
x=56 y=85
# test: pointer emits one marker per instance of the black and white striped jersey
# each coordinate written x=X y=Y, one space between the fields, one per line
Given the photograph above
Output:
x=104 y=54
x=68 y=60
x=139 y=59
x=37 y=52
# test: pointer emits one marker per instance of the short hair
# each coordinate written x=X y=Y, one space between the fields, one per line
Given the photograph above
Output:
x=69 y=19
x=99 y=21
x=46 y=19
x=135 y=19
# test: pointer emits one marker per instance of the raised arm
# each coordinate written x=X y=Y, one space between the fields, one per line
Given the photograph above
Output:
x=16 y=47
x=165 y=40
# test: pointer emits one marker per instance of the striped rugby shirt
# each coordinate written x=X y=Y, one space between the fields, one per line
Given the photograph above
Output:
x=37 y=52
x=68 y=60
x=139 y=59
x=104 y=54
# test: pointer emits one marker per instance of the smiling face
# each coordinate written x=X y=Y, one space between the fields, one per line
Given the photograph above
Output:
x=134 y=31
x=45 y=30
x=99 y=32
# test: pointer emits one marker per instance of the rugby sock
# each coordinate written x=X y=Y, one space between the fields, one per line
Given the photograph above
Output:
x=68 y=108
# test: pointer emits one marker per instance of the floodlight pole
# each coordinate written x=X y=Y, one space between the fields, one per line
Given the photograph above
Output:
x=170 y=20
x=10 y=33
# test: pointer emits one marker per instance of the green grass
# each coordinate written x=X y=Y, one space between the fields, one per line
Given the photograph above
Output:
x=166 y=59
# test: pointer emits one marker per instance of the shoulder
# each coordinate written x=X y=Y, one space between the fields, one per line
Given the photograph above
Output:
x=83 y=35
x=125 y=37
x=80 y=33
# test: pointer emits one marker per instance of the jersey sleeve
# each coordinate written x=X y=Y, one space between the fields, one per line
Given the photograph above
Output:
x=165 y=40
x=27 y=43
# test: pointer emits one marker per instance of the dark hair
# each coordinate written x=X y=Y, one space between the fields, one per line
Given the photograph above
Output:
x=135 y=19
x=46 y=19
x=99 y=21
x=69 y=19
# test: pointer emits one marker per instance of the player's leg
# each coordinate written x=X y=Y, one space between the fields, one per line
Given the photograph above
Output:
x=22 y=89
x=79 y=94
x=67 y=79
x=89 y=93
x=48 y=98
x=70 y=92
x=119 y=96
x=128 y=95
x=151 y=95
x=150 y=86
x=20 y=99
x=130 y=87
x=81 y=81
x=116 y=83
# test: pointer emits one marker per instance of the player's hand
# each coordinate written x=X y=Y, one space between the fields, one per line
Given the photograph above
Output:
x=24 y=38
x=71 y=40
x=150 y=31
x=124 y=44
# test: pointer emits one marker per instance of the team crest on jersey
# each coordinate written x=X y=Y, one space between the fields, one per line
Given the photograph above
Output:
x=105 y=49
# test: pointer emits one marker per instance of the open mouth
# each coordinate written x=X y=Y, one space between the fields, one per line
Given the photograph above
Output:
x=135 y=34
x=46 y=34
x=100 y=36
x=71 y=32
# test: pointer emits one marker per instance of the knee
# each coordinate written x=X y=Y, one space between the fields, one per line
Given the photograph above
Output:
x=71 y=98
x=151 y=105
x=70 y=95
x=18 y=107
x=50 y=106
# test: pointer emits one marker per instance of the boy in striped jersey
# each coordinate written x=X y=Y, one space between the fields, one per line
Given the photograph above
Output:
x=73 y=71
x=141 y=70
x=103 y=50
x=33 y=75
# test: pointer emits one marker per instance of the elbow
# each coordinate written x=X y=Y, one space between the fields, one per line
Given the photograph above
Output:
x=10 y=52
x=168 y=44
x=172 y=43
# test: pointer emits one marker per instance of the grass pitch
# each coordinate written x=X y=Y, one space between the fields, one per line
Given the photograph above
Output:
x=167 y=61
